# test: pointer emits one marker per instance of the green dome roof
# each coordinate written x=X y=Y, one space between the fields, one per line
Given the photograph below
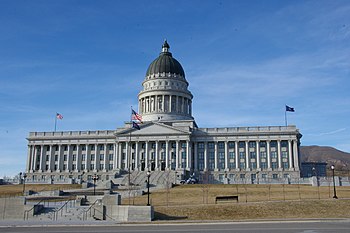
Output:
x=165 y=63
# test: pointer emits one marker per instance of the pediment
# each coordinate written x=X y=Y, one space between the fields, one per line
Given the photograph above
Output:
x=153 y=128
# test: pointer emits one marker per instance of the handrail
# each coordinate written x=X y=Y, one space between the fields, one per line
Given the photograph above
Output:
x=60 y=209
x=25 y=217
x=89 y=209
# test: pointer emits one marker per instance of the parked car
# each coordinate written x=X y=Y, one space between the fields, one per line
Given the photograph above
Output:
x=191 y=180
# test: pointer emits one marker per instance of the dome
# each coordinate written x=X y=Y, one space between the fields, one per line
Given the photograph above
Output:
x=165 y=63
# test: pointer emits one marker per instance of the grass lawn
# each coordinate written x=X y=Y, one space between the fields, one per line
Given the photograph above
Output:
x=17 y=189
x=197 y=202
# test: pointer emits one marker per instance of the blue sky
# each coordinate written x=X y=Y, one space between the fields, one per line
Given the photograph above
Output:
x=244 y=61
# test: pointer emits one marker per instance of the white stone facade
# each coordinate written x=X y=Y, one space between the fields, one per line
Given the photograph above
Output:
x=169 y=139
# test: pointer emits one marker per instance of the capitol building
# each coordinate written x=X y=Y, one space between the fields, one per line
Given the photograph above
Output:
x=168 y=141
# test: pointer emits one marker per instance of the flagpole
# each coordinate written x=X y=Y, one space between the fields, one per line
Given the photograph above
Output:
x=285 y=116
x=55 y=121
x=129 y=154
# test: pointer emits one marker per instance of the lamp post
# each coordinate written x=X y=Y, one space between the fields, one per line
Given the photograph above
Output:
x=148 y=176
x=23 y=176
x=335 y=191
x=94 y=178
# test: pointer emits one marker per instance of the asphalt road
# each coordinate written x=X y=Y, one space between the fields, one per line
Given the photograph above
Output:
x=261 y=227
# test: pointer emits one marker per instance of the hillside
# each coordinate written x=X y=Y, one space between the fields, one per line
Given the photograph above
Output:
x=330 y=155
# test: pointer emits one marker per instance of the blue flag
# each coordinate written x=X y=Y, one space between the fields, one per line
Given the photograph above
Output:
x=289 y=109
x=135 y=125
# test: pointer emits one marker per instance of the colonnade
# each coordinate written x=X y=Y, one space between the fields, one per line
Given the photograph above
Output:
x=165 y=103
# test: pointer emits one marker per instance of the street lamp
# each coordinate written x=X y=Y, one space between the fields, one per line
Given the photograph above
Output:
x=94 y=178
x=23 y=177
x=148 y=176
x=335 y=192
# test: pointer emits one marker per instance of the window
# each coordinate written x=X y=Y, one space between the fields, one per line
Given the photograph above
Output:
x=232 y=165
x=242 y=165
x=232 y=155
x=92 y=166
x=242 y=176
x=252 y=144
x=274 y=176
x=163 y=145
x=274 y=165
x=83 y=167
x=74 y=157
x=241 y=155
x=221 y=145
x=183 y=145
x=252 y=155
x=47 y=167
x=173 y=145
x=55 y=167
x=153 y=145
x=110 y=147
x=102 y=156
x=273 y=144
x=56 y=157
x=201 y=155
x=75 y=147
x=101 y=166
x=64 y=167
x=47 y=157
x=262 y=144
x=231 y=145
x=102 y=147
x=284 y=154
x=200 y=145
x=263 y=155
x=110 y=157
x=64 y=157
x=110 y=166
x=183 y=155
x=65 y=148
x=47 y=148
x=211 y=145
x=83 y=157
x=263 y=165
x=92 y=147
x=83 y=147
x=284 y=143
x=274 y=155
x=211 y=155
x=241 y=144
x=92 y=157
x=162 y=156
x=74 y=167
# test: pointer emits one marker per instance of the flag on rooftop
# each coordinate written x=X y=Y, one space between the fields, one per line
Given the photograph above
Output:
x=289 y=109
x=59 y=116
x=135 y=125
x=135 y=116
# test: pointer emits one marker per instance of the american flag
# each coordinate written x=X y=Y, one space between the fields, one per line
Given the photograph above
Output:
x=59 y=116
x=135 y=116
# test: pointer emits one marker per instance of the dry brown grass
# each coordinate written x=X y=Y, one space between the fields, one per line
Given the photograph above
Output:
x=16 y=190
x=197 y=202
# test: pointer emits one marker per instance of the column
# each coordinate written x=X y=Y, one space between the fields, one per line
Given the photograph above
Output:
x=205 y=156
x=188 y=156
x=195 y=156
x=163 y=103
x=28 y=165
x=87 y=158
x=137 y=157
x=176 y=103
x=226 y=156
x=167 y=154
x=60 y=159
x=279 y=154
x=177 y=155
x=157 y=156
x=170 y=100
x=290 y=154
x=97 y=159
x=127 y=165
x=69 y=158
x=216 y=156
x=41 y=162
x=146 y=156
x=247 y=155
x=120 y=153
x=236 y=155
x=34 y=158
x=268 y=155
x=78 y=166
x=296 y=155
x=105 y=160
x=258 y=155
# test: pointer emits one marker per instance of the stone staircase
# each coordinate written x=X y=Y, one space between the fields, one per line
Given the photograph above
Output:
x=63 y=211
